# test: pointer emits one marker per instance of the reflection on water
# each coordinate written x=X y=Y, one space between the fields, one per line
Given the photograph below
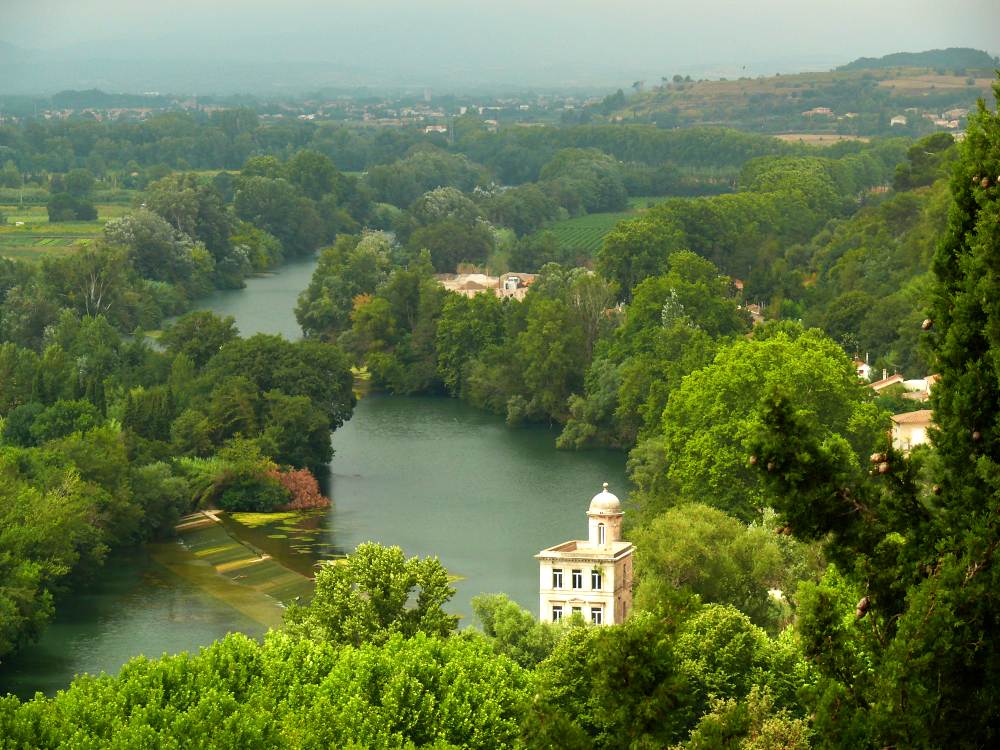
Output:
x=137 y=606
x=438 y=477
x=267 y=304
x=432 y=475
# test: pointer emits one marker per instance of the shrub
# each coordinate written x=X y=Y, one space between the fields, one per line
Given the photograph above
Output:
x=303 y=488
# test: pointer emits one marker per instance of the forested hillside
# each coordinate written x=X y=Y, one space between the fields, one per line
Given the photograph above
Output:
x=799 y=582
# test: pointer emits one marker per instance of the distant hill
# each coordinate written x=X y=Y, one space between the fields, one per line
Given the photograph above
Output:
x=951 y=58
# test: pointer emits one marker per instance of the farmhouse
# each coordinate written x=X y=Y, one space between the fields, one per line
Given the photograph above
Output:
x=508 y=285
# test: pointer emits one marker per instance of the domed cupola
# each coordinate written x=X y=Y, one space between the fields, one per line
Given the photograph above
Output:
x=605 y=518
x=605 y=503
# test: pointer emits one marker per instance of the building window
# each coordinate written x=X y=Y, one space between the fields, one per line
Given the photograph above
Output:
x=595 y=580
x=578 y=611
x=557 y=578
x=578 y=579
x=596 y=615
x=600 y=533
x=556 y=613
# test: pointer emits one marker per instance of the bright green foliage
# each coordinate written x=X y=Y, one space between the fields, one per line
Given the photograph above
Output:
x=515 y=632
x=287 y=693
x=467 y=325
x=64 y=504
x=696 y=549
x=723 y=654
x=750 y=724
x=373 y=594
x=638 y=249
x=915 y=665
x=350 y=267
x=669 y=329
x=43 y=530
x=713 y=417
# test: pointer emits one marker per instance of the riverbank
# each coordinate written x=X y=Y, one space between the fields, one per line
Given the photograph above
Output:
x=211 y=540
x=433 y=475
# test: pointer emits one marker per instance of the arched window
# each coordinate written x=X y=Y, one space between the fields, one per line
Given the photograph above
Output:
x=600 y=533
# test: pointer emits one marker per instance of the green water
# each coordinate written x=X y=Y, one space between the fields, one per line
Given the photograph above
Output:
x=267 y=304
x=438 y=477
x=432 y=475
x=137 y=606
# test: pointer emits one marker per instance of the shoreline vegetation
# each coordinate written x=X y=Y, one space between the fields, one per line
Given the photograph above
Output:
x=714 y=334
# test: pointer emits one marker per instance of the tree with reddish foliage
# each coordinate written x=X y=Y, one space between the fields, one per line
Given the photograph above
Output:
x=303 y=488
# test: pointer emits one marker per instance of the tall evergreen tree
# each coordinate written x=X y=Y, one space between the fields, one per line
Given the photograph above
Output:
x=916 y=663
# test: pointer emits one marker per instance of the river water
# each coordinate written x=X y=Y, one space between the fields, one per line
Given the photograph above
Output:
x=432 y=475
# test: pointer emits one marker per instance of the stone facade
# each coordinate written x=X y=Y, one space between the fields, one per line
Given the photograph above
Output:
x=592 y=578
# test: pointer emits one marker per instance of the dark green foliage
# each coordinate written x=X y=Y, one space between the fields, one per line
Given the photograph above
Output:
x=252 y=494
x=63 y=418
x=199 y=335
x=912 y=666
x=927 y=160
x=952 y=57
x=67 y=207
x=451 y=242
x=306 y=368
x=466 y=326
x=18 y=423
x=422 y=170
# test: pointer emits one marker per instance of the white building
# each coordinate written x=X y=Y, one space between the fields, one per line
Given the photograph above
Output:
x=910 y=429
x=592 y=578
x=863 y=369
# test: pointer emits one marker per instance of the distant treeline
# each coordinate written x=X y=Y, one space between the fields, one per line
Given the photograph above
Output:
x=950 y=58
x=226 y=139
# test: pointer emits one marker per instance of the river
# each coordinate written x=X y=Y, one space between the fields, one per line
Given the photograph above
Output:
x=432 y=475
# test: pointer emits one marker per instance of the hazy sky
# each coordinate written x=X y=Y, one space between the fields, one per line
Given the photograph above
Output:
x=505 y=39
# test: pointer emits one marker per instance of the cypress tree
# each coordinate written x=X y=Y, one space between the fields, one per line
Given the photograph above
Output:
x=914 y=538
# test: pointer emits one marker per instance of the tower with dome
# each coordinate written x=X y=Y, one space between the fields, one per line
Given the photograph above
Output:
x=592 y=578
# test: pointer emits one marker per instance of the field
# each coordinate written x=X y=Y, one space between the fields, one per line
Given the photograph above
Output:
x=927 y=83
x=36 y=238
x=585 y=233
